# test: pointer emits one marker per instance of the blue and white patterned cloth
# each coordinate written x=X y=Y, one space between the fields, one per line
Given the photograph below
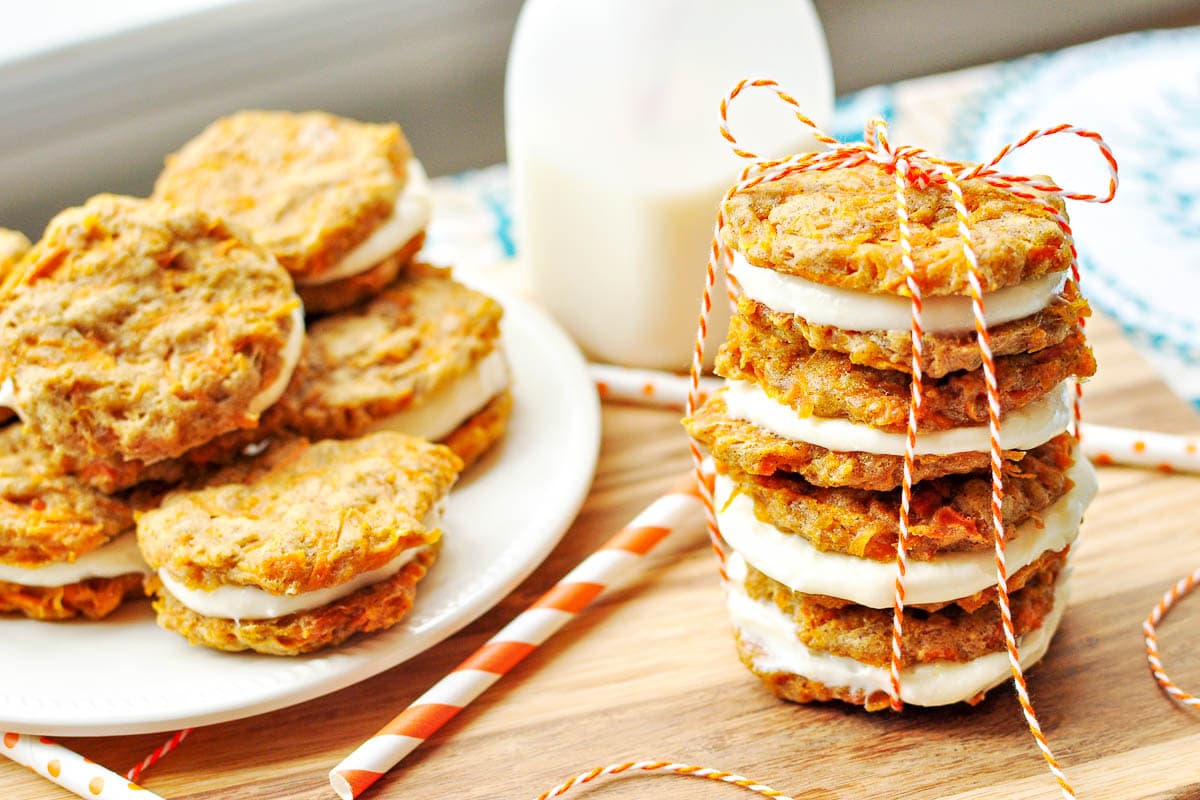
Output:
x=1140 y=255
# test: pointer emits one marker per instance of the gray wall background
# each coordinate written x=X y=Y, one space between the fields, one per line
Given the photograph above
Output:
x=100 y=117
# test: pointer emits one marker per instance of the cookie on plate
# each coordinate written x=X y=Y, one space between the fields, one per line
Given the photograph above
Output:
x=65 y=549
x=139 y=330
x=342 y=204
x=301 y=546
x=422 y=358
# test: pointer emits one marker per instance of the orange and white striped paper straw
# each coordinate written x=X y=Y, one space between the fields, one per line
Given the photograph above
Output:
x=679 y=509
x=68 y=769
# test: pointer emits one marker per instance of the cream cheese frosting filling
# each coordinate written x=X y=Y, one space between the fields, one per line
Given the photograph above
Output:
x=1023 y=429
x=764 y=626
x=250 y=602
x=120 y=556
x=864 y=311
x=791 y=560
x=438 y=415
x=409 y=216
x=291 y=357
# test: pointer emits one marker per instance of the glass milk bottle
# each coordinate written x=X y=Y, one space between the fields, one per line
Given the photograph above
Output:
x=611 y=114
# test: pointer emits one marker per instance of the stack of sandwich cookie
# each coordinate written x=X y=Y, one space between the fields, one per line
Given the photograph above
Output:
x=809 y=435
x=301 y=546
x=341 y=204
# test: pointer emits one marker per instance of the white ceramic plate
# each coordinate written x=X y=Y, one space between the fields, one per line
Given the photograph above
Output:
x=125 y=675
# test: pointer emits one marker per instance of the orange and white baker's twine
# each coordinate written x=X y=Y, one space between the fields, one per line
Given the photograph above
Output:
x=911 y=166
x=663 y=767
x=1150 y=630
x=135 y=772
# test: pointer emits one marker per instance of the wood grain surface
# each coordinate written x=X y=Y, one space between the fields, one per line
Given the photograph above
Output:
x=650 y=672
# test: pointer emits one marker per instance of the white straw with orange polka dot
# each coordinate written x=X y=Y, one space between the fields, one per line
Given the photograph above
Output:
x=1162 y=451
x=647 y=387
x=68 y=769
x=679 y=509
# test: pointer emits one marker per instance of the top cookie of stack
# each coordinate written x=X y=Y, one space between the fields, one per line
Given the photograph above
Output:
x=809 y=433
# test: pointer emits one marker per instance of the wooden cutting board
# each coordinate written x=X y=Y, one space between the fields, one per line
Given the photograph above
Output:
x=650 y=672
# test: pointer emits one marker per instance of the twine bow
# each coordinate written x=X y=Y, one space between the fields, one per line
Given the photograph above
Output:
x=910 y=167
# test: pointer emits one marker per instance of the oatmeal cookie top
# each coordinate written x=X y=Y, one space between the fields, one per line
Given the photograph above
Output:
x=139 y=329
x=309 y=186
x=301 y=516
x=839 y=227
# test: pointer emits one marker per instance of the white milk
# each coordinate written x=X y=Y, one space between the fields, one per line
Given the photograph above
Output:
x=617 y=163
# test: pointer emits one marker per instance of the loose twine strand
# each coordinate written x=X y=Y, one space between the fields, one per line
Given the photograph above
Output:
x=646 y=767
x=1150 y=629
x=135 y=772
x=910 y=167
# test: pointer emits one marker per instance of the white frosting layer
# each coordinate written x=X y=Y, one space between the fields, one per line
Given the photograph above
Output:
x=250 y=602
x=865 y=311
x=938 y=683
x=792 y=561
x=440 y=414
x=118 y=557
x=409 y=216
x=1024 y=429
x=291 y=357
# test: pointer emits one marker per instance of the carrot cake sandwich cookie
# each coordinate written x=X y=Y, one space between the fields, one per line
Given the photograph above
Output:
x=342 y=204
x=65 y=549
x=808 y=435
x=423 y=358
x=301 y=546
x=136 y=331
